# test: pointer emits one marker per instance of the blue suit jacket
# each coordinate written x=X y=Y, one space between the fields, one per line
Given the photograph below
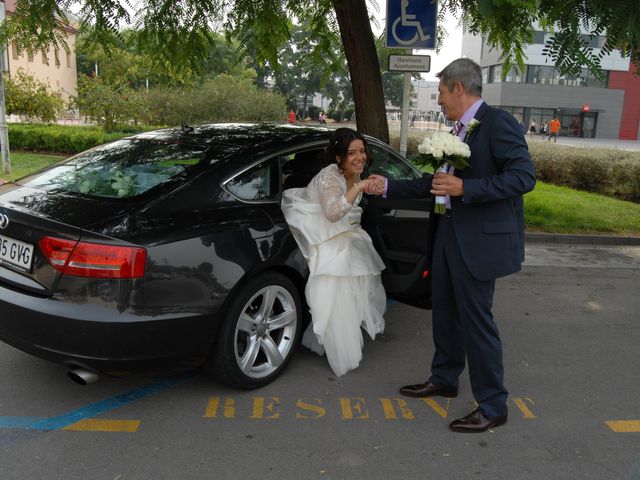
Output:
x=489 y=218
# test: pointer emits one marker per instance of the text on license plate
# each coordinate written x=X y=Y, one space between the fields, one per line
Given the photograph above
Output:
x=15 y=253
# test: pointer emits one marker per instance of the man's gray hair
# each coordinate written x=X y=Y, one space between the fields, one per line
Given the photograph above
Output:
x=465 y=71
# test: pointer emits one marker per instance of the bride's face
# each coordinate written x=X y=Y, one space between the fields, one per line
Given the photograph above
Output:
x=353 y=163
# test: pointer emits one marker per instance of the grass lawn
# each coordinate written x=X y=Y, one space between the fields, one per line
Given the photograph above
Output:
x=547 y=209
x=24 y=163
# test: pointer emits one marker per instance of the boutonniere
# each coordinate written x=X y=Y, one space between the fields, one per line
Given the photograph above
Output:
x=473 y=124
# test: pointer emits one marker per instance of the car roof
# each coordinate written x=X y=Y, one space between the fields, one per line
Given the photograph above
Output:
x=238 y=137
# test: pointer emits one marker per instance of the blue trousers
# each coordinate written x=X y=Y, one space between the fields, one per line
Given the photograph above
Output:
x=463 y=325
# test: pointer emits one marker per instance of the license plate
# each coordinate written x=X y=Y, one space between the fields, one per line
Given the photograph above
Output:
x=16 y=254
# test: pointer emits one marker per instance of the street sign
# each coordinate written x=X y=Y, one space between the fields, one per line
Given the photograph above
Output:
x=411 y=23
x=409 y=63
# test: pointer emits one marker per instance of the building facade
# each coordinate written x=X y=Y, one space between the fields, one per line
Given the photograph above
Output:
x=586 y=106
x=56 y=68
x=426 y=99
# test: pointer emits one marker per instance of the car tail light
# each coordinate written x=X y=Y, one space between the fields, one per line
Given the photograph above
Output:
x=84 y=259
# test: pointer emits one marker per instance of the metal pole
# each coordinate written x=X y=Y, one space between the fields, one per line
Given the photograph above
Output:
x=404 y=123
x=4 y=130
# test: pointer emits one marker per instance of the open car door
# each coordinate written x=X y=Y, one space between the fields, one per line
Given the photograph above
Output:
x=398 y=228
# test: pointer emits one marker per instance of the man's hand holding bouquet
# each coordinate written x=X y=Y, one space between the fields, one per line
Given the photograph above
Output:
x=444 y=153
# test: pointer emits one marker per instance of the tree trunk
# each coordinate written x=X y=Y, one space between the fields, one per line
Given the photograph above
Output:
x=360 y=50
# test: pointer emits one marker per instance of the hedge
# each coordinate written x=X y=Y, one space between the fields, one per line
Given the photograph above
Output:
x=612 y=172
x=64 y=139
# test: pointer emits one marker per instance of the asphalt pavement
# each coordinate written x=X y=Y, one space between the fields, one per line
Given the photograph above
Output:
x=570 y=330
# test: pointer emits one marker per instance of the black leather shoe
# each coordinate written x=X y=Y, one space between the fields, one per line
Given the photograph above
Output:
x=429 y=389
x=476 y=422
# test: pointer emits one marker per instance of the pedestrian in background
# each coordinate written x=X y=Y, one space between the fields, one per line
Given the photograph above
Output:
x=533 y=126
x=554 y=128
x=543 y=128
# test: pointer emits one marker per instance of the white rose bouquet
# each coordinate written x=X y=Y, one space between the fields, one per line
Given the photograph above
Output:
x=443 y=151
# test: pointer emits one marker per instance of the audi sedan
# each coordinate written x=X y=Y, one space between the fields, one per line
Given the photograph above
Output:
x=168 y=251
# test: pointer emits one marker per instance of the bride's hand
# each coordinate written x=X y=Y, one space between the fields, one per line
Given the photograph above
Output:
x=371 y=186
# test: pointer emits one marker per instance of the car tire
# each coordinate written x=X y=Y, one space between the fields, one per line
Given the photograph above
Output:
x=259 y=334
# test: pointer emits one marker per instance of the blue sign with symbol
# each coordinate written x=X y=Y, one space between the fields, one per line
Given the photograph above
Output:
x=411 y=23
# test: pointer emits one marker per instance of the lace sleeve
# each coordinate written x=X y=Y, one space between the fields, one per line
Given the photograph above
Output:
x=333 y=187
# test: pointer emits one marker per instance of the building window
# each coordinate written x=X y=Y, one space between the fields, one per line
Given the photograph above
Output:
x=68 y=59
x=588 y=79
x=540 y=74
x=545 y=75
x=485 y=74
x=514 y=75
x=15 y=54
x=434 y=96
x=495 y=74
x=594 y=41
x=30 y=57
x=538 y=37
x=56 y=56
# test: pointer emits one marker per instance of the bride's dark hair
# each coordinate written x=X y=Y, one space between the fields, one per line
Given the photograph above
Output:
x=339 y=145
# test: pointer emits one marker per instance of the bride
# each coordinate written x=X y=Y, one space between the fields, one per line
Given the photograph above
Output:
x=344 y=290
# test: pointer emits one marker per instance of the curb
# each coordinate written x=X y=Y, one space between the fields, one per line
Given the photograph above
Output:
x=536 y=237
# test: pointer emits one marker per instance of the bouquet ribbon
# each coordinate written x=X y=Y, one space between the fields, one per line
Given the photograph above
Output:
x=442 y=200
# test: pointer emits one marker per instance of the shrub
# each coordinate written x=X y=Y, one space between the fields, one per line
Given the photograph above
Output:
x=107 y=104
x=611 y=172
x=222 y=99
x=30 y=98
x=58 y=138
x=313 y=112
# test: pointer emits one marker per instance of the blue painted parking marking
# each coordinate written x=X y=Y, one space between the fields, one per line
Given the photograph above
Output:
x=18 y=422
x=117 y=401
x=103 y=406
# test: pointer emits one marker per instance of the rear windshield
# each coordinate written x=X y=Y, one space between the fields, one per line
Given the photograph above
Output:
x=122 y=169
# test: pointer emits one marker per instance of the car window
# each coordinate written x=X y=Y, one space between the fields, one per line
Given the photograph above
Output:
x=122 y=169
x=385 y=163
x=259 y=183
x=300 y=167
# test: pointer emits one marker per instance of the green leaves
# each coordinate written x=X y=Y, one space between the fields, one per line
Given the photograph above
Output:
x=507 y=24
x=30 y=98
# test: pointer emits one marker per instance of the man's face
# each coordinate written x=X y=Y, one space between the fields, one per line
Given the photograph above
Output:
x=450 y=101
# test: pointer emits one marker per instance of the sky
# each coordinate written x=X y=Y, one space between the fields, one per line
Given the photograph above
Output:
x=451 y=49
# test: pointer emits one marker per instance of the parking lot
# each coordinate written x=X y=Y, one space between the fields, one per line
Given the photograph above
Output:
x=569 y=324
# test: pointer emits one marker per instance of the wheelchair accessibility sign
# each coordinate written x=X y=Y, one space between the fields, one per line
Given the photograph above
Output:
x=411 y=23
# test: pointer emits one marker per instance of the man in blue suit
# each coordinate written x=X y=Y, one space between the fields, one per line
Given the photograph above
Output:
x=479 y=238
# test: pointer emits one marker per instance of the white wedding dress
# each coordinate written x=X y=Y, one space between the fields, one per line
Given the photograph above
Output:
x=344 y=290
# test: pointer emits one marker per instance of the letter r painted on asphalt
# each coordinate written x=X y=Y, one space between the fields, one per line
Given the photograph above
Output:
x=411 y=23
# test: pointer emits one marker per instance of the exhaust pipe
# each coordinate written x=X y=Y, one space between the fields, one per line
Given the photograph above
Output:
x=82 y=376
